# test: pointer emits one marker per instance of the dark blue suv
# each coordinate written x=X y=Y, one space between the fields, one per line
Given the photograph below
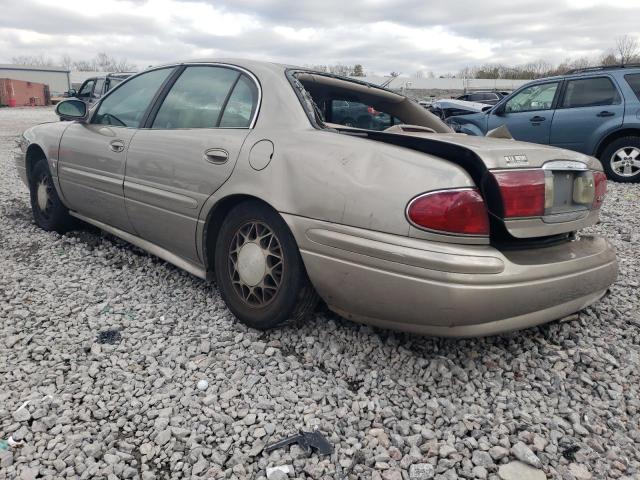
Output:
x=594 y=111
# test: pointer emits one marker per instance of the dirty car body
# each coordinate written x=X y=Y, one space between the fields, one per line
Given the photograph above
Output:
x=252 y=182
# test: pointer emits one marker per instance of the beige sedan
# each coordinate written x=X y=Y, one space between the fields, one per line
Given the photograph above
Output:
x=287 y=186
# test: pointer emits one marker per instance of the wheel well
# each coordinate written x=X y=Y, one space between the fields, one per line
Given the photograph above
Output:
x=214 y=221
x=34 y=153
x=628 y=132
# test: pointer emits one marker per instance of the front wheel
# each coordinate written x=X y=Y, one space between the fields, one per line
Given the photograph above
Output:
x=259 y=270
x=621 y=159
x=48 y=211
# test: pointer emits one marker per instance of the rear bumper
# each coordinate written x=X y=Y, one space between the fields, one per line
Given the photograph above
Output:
x=449 y=290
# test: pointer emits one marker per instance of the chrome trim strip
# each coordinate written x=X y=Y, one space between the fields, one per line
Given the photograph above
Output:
x=100 y=177
x=565 y=165
x=133 y=188
x=152 y=248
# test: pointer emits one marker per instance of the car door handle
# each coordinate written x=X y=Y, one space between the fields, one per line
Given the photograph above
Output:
x=537 y=118
x=605 y=114
x=216 y=155
x=116 y=145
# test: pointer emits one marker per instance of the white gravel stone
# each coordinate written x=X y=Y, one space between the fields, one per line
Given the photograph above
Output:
x=520 y=471
x=524 y=454
x=569 y=392
x=421 y=471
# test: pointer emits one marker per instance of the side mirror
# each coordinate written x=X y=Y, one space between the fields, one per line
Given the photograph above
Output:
x=72 y=110
x=72 y=92
x=499 y=110
x=487 y=108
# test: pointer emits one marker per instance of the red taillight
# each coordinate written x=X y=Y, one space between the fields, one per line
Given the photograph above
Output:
x=600 y=182
x=452 y=211
x=522 y=192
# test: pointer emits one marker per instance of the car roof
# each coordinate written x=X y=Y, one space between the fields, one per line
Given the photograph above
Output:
x=257 y=65
x=590 y=71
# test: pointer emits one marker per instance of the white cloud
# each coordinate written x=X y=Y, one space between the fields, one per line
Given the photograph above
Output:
x=383 y=35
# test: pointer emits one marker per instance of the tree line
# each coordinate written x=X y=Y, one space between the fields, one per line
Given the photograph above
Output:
x=626 y=51
x=102 y=62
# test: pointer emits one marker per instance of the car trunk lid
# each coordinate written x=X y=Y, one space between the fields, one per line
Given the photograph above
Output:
x=568 y=184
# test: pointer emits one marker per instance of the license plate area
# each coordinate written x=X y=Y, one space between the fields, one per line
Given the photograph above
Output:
x=569 y=188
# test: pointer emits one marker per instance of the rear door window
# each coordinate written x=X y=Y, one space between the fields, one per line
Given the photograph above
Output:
x=634 y=82
x=197 y=98
x=590 y=92
x=241 y=105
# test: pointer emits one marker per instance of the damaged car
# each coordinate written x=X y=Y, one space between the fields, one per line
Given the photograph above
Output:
x=451 y=107
x=240 y=172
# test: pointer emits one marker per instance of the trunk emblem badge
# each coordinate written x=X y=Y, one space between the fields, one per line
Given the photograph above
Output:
x=516 y=160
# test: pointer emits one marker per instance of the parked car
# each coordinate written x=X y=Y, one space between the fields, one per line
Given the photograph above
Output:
x=446 y=108
x=359 y=115
x=233 y=171
x=593 y=111
x=92 y=89
x=488 y=98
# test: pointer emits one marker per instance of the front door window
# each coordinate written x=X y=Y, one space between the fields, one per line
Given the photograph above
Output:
x=533 y=98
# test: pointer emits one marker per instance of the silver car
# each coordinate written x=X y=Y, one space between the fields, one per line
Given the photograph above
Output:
x=239 y=172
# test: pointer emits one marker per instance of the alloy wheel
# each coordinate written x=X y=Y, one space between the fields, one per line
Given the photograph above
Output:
x=626 y=162
x=256 y=264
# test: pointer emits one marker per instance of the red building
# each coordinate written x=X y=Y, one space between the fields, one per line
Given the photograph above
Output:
x=19 y=93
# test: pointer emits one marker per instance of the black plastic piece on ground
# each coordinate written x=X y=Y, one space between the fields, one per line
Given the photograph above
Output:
x=306 y=440
x=110 y=337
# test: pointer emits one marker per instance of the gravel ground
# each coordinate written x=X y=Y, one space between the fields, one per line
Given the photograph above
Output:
x=107 y=345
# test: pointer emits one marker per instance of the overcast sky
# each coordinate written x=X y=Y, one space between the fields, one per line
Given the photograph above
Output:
x=383 y=35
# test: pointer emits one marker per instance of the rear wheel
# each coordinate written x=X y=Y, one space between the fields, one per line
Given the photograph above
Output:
x=621 y=159
x=259 y=270
x=48 y=211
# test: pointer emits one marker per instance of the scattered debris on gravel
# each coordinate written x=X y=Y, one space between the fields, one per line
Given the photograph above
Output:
x=558 y=401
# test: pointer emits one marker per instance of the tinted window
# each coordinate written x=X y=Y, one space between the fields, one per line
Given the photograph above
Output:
x=197 y=98
x=634 y=83
x=241 y=105
x=86 y=88
x=97 y=91
x=126 y=106
x=536 y=97
x=590 y=92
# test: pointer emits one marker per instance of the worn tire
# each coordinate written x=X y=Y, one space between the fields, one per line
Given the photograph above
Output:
x=609 y=152
x=55 y=216
x=294 y=297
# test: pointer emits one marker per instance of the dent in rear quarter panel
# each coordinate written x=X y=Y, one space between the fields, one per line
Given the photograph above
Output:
x=341 y=179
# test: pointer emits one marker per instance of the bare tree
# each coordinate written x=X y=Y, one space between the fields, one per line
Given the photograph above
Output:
x=627 y=49
x=358 y=70
x=66 y=61
x=33 y=60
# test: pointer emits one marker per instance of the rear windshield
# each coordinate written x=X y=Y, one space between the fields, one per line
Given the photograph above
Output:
x=343 y=102
x=634 y=82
